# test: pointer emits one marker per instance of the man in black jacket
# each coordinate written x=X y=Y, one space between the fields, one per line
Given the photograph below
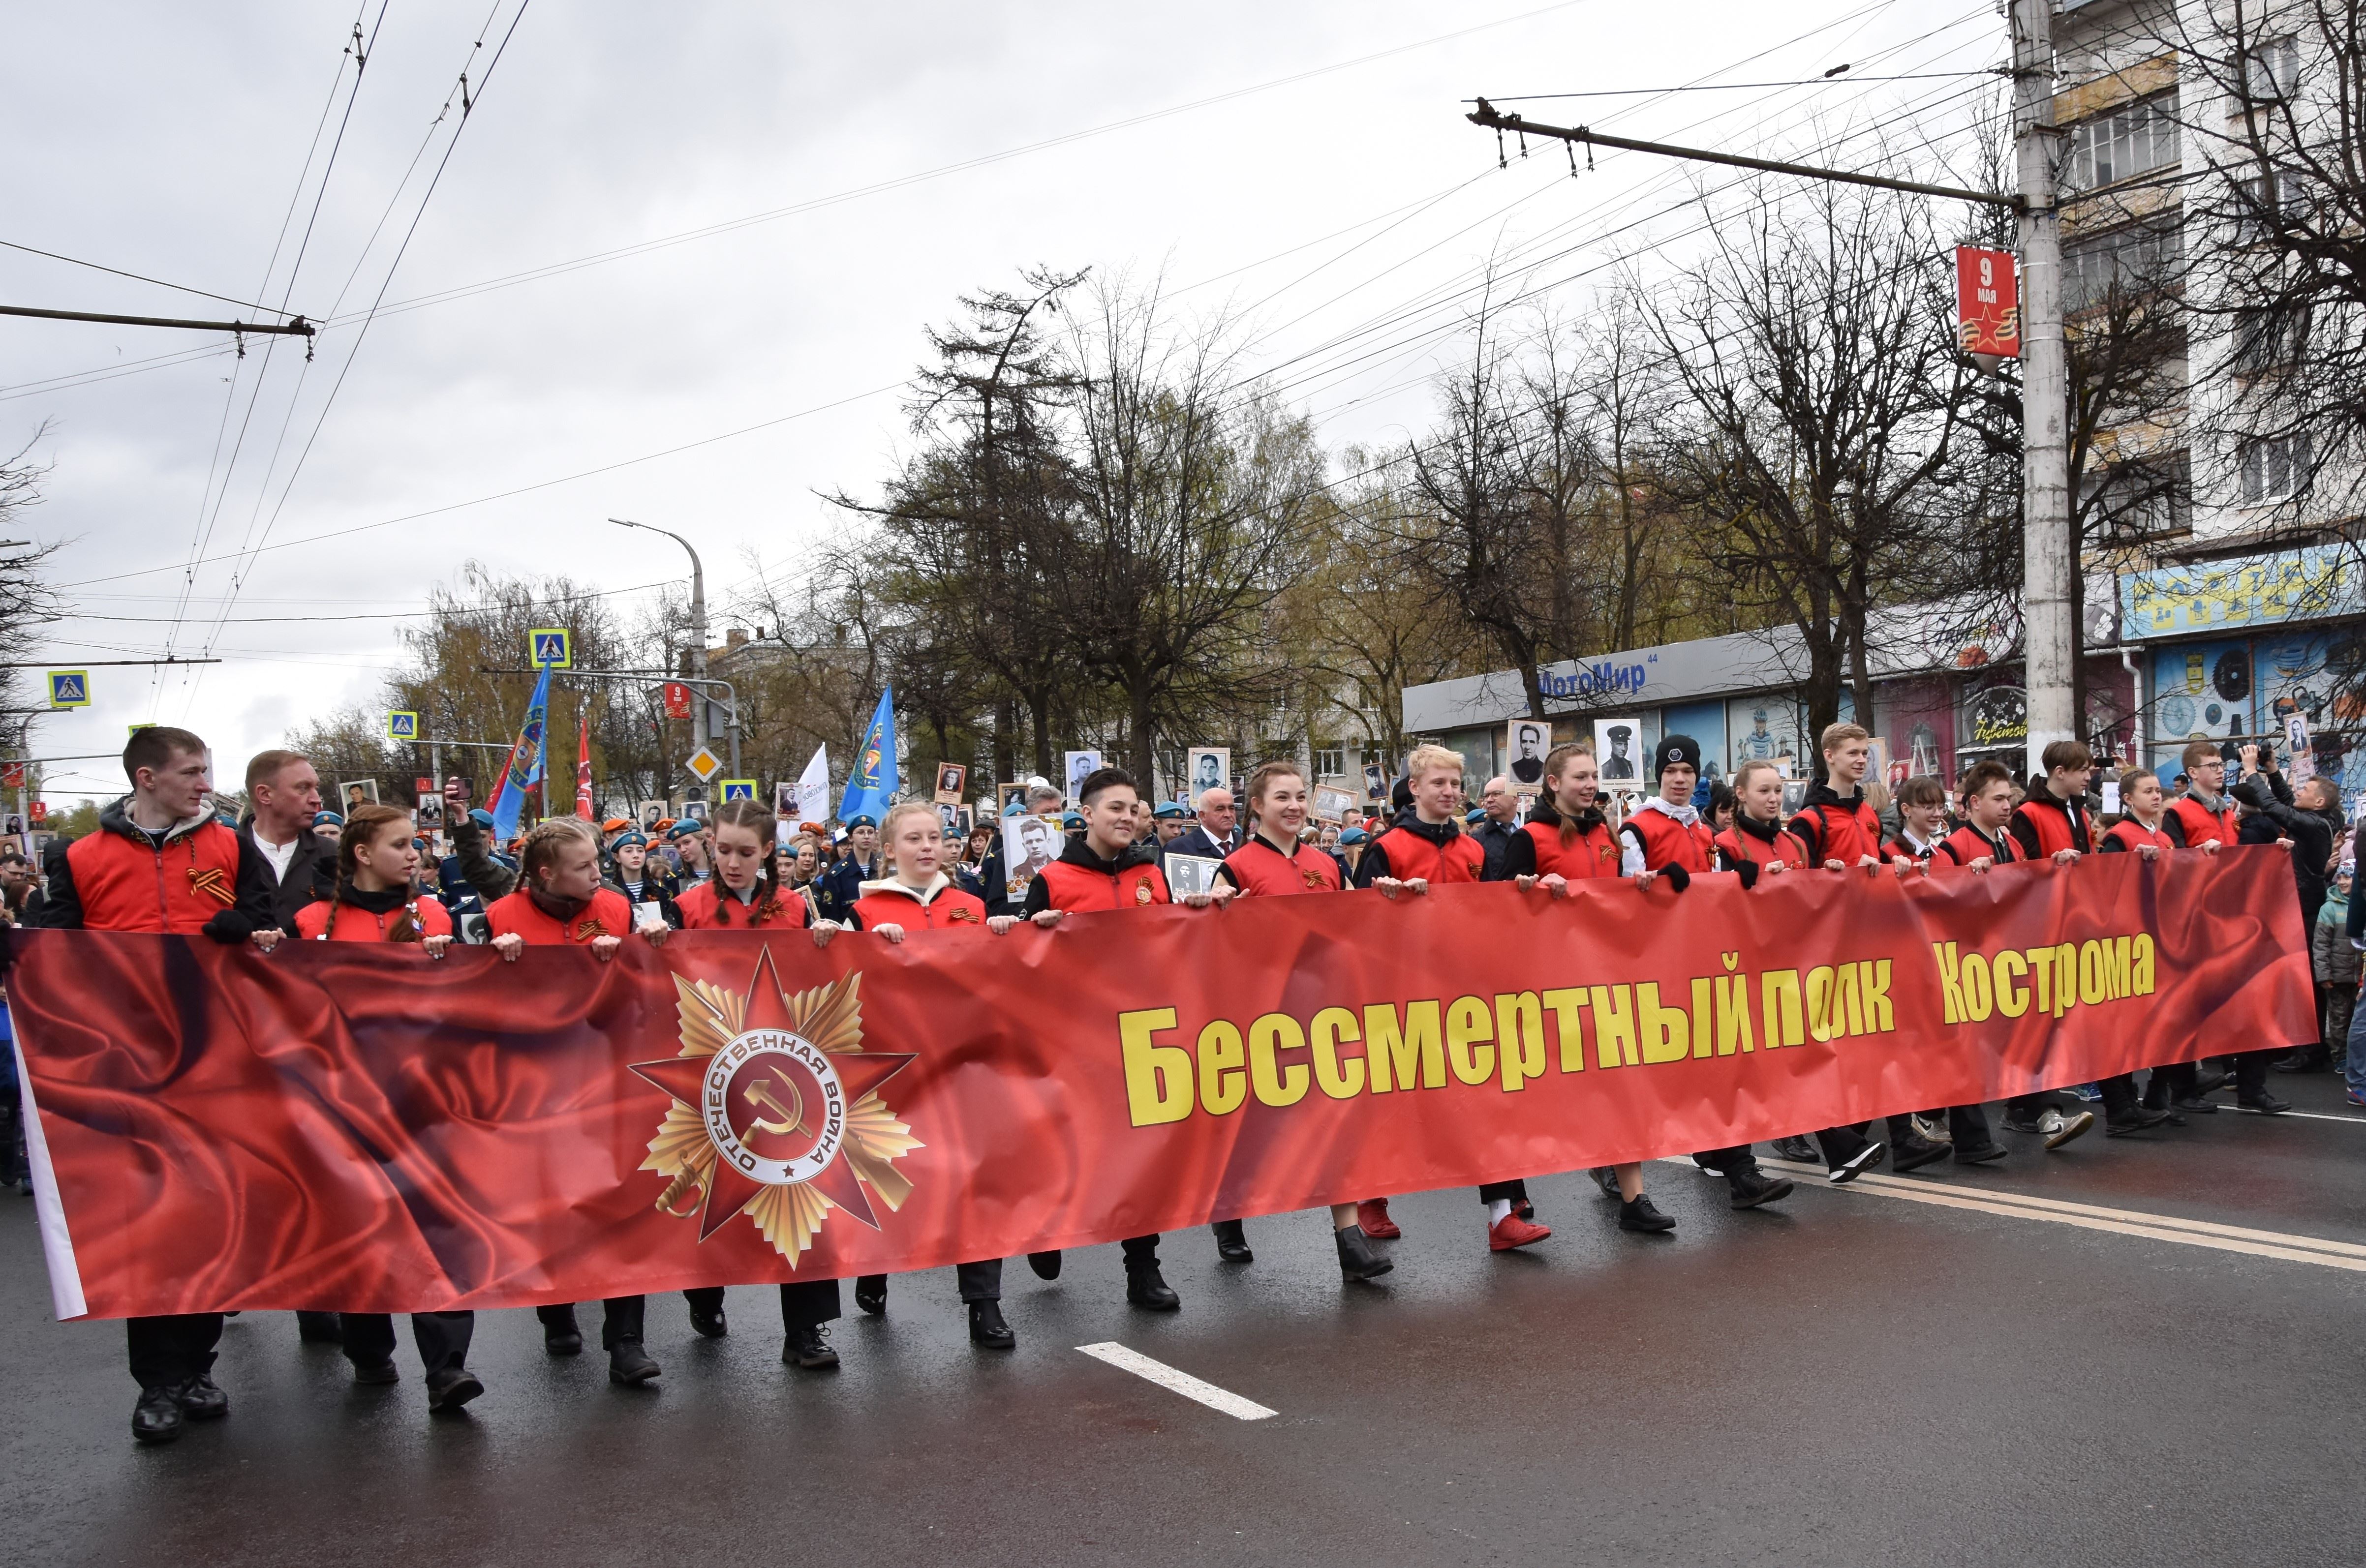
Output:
x=2271 y=810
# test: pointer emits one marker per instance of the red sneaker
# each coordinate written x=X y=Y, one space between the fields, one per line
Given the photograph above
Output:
x=1513 y=1231
x=1372 y=1219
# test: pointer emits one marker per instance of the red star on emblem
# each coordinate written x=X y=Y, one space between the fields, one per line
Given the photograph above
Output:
x=859 y=1072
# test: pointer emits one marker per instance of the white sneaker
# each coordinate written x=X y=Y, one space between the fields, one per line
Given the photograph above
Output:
x=2060 y=1129
x=1931 y=1131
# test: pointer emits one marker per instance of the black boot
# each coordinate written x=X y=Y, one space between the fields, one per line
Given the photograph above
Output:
x=157 y=1418
x=453 y=1388
x=1913 y=1153
x=1045 y=1264
x=706 y=1312
x=1607 y=1178
x=1643 y=1215
x=1752 y=1188
x=986 y=1327
x=1145 y=1286
x=560 y=1334
x=628 y=1363
x=809 y=1347
x=1232 y=1242
x=201 y=1400
x=871 y=1294
x=1356 y=1259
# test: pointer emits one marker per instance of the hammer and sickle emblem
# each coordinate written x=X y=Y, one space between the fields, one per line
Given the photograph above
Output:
x=792 y=1116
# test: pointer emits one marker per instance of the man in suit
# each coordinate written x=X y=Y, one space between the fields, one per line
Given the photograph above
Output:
x=283 y=792
x=1216 y=836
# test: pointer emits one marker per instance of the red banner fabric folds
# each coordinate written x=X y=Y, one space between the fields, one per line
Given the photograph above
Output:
x=357 y=1126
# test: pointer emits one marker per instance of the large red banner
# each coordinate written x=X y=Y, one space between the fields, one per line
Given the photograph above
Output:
x=361 y=1127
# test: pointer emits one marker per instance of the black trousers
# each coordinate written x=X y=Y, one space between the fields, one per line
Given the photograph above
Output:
x=1513 y=1192
x=172 y=1349
x=1841 y=1145
x=808 y=1303
x=2120 y=1095
x=620 y=1319
x=705 y=1298
x=442 y=1336
x=981 y=1281
x=1141 y=1252
x=1730 y=1162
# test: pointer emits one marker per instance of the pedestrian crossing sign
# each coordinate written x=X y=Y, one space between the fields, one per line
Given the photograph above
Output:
x=738 y=788
x=402 y=726
x=704 y=763
x=551 y=647
x=69 y=689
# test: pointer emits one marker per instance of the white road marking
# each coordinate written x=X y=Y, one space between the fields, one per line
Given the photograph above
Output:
x=2304 y=1115
x=1181 y=1383
x=2277 y=1244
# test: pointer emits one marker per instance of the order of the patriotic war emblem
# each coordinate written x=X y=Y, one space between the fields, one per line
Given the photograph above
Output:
x=776 y=1111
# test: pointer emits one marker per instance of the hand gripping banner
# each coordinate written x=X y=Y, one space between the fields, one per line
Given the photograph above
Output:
x=338 y=1125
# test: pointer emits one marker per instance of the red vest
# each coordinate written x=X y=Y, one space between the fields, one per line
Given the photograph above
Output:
x=2130 y=834
x=1415 y=858
x=353 y=923
x=2202 y=824
x=702 y=909
x=1849 y=833
x=2051 y=825
x=608 y=915
x=1737 y=846
x=125 y=885
x=1076 y=889
x=1257 y=866
x=1965 y=846
x=1667 y=841
x=951 y=910
x=1593 y=852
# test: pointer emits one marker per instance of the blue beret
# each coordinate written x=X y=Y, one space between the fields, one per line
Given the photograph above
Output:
x=1476 y=813
x=685 y=828
x=322 y=818
x=482 y=817
x=624 y=838
x=1172 y=811
x=1074 y=819
x=1354 y=835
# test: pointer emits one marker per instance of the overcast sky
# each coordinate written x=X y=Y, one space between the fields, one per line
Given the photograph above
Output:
x=1337 y=214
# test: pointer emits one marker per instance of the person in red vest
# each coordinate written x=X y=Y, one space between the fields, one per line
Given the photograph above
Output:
x=1426 y=845
x=377 y=899
x=1922 y=819
x=1664 y=836
x=2203 y=814
x=560 y=901
x=162 y=862
x=1104 y=868
x=742 y=892
x=1564 y=841
x=917 y=895
x=2052 y=824
x=2149 y=829
x=1756 y=847
x=1837 y=823
x=1983 y=842
x=1272 y=863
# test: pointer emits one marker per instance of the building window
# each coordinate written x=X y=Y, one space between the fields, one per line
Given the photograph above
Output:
x=2141 y=256
x=2267 y=201
x=1330 y=763
x=2269 y=337
x=2132 y=140
x=2138 y=501
x=2271 y=469
x=2271 y=70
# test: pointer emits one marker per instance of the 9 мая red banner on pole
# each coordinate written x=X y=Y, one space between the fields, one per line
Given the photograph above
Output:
x=359 y=1128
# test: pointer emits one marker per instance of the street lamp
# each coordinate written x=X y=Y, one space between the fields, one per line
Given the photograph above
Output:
x=698 y=622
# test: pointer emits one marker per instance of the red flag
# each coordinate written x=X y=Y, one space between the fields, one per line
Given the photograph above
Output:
x=582 y=766
x=354 y=1125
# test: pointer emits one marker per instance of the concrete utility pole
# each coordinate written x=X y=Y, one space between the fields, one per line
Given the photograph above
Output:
x=698 y=730
x=2048 y=625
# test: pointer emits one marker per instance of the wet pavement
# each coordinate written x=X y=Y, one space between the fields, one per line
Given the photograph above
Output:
x=2138 y=1350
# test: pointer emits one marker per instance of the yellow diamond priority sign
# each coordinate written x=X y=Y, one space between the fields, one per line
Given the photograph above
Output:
x=704 y=763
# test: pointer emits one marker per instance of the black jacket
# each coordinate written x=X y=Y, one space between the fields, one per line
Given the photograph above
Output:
x=312 y=874
x=2273 y=818
x=1494 y=841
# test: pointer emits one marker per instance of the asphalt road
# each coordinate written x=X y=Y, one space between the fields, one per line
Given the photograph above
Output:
x=2130 y=1352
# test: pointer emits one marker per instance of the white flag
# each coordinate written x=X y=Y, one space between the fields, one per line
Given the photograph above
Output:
x=813 y=789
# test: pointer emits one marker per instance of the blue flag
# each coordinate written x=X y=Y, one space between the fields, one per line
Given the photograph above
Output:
x=524 y=769
x=873 y=779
